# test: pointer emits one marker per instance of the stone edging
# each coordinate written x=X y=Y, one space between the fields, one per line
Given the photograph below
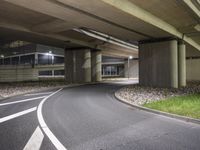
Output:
x=186 y=119
x=46 y=89
x=29 y=92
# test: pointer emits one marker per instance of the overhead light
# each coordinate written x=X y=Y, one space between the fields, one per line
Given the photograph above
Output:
x=2 y=56
x=197 y=27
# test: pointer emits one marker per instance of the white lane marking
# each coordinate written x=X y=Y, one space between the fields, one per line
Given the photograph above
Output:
x=21 y=101
x=17 y=114
x=47 y=131
x=33 y=94
x=35 y=141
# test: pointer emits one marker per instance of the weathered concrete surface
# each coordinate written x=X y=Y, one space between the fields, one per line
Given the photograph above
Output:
x=192 y=65
x=69 y=66
x=18 y=73
x=133 y=69
x=53 y=22
x=181 y=65
x=158 y=64
x=96 y=61
x=78 y=66
x=193 y=69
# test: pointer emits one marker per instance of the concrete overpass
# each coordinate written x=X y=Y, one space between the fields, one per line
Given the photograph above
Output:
x=162 y=28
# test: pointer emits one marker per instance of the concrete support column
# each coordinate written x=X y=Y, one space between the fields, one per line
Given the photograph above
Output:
x=78 y=66
x=87 y=66
x=158 y=64
x=96 y=66
x=182 y=64
x=173 y=63
x=69 y=66
x=131 y=70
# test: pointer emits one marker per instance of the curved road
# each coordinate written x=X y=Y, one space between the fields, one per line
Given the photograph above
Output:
x=89 y=118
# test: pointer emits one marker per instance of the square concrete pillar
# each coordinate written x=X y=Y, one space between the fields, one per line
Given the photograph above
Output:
x=96 y=66
x=69 y=66
x=182 y=64
x=131 y=70
x=158 y=64
x=78 y=66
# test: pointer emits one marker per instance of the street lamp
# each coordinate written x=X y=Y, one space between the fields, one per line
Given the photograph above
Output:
x=129 y=58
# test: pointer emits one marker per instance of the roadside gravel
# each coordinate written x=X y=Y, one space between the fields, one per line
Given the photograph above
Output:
x=12 y=89
x=139 y=95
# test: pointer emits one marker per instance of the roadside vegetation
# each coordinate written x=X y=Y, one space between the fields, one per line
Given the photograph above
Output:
x=188 y=105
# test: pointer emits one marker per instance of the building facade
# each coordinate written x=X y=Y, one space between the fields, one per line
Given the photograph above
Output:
x=33 y=62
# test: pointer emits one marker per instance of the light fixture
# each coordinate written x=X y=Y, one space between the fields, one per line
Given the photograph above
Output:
x=2 y=56
x=130 y=57
x=49 y=53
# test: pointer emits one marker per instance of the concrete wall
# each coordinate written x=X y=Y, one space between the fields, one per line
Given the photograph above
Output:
x=133 y=69
x=192 y=64
x=158 y=64
x=18 y=73
x=193 y=69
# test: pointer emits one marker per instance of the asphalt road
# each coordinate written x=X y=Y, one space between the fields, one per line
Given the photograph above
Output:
x=88 y=118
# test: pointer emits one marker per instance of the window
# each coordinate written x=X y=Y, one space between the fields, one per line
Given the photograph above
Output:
x=15 y=60
x=45 y=73
x=1 y=61
x=113 y=70
x=58 y=60
x=44 y=59
x=59 y=72
x=27 y=59
x=7 y=61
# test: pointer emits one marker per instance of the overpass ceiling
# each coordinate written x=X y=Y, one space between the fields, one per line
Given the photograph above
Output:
x=171 y=11
x=94 y=14
x=174 y=12
x=54 y=19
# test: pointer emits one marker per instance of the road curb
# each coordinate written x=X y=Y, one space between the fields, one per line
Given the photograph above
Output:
x=186 y=119
x=29 y=92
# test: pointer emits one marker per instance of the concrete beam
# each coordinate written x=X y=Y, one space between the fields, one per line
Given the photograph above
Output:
x=132 y=9
x=53 y=26
x=53 y=36
x=192 y=6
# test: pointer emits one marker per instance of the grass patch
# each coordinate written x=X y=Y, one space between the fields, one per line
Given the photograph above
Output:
x=182 y=105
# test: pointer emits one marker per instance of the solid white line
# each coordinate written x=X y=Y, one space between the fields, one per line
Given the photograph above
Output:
x=47 y=131
x=21 y=101
x=35 y=141
x=38 y=94
x=17 y=114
